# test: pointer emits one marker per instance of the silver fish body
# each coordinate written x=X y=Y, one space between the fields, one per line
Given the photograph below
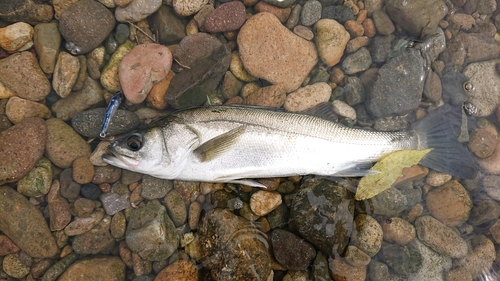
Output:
x=232 y=144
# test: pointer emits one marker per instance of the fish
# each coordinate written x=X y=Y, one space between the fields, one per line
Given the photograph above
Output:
x=113 y=105
x=238 y=144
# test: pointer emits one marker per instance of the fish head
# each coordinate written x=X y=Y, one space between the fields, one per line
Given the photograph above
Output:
x=139 y=151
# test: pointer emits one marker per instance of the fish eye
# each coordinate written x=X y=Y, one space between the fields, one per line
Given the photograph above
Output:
x=134 y=142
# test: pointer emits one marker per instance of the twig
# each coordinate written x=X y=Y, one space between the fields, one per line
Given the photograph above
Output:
x=142 y=31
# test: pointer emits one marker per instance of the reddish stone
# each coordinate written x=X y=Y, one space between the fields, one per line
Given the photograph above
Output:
x=227 y=17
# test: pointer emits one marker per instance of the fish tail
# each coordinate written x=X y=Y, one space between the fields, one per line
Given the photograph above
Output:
x=440 y=130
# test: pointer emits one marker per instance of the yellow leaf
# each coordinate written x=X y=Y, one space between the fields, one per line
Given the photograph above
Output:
x=390 y=167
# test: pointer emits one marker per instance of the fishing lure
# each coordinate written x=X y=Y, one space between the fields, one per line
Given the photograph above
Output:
x=113 y=105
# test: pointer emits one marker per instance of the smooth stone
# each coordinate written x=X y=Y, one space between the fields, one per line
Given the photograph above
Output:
x=83 y=170
x=354 y=28
x=367 y=234
x=18 y=109
x=96 y=268
x=433 y=264
x=118 y=225
x=110 y=78
x=83 y=207
x=14 y=71
x=98 y=240
x=449 y=203
x=227 y=17
x=59 y=208
x=440 y=238
x=37 y=182
x=169 y=27
x=141 y=68
x=489 y=184
x=176 y=208
x=89 y=123
x=91 y=95
x=480 y=48
x=383 y=23
x=308 y=97
x=433 y=88
x=60 y=6
x=96 y=156
x=263 y=202
x=194 y=215
x=189 y=52
x=354 y=91
x=418 y=18
x=106 y=174
x=16 y=36
x=435 y=178
x=380 y=48
x=388 y=203
x=356 y=43
x=181 y=270
x=357 y=62
x=63 y=144
x=23 y=146
x=86 y=24
x=303 y=32
x=271 y=96
x=486 y=84
x=343 y=109
x=483 y=142
x=256 y=42
x=187 y=8
x=156 y=97
x=7 y=246
x=153 y=188
x=480 y=258
x=151 y=233
x=65 y=74
x=5 y=92
x=298 y=257
x=294 y=17
x=114 y=203
x=484 y=211
x=90 y=191
x=25 y=225
x=81 y=225
x=281 y=13
x=355 y=257
x=14 y=267
x=340 y=13
x=231 y=86
x=331 y=39
x=280 y=3
x=28 y=11
x=403 y=260
x=340 y=269
x=137 y=10
x=311 y=13
x=238 y=70
x=397 y=230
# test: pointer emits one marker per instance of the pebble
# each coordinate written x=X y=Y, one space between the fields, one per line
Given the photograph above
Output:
x=85 y=24
x=383 y=23
x=440 y=238
x=340 y=269
x=280 y=3
x=14 y=267
x=486 y=84
x=482 y=143
x=293 y=18
x=96 y=156
x=113 y=202
x=22 y=147
x=388 y=203
x=311 y=13
x=7 y=246
x=118 y=225
x=65 y=74
x=150 y=232
x=180 y=270
x=95 y=268
x=156 y=97
x=281 y=13
x=449 y=203
x=338 y=13
x=141 y=68
x=303 y=32
x=169 y=27
x=435 y=178
x=298 y=257
x=433 y=88
x=397 y=230
x=89 y=123
x=106 y=174
x=90 y=191
x=83 y=170
x=355 y=257
x=69 y=188
x=480 y=258
x=63 y=144
x=484 y=211
x=433 y=264
x=83 y=207
x=16 y=37
x=187 y=8
x=343 y=109
x=331 y=39
x=90 y=95
x=110 y=79
x=357 y=62
x=16 y=212
x=256 y=43
x=16 y=68
x=227 y=17
x=59 y=209
x=194 y=215
x=37 y=182
x=356 y=43
x=263 y=202
x=231 y=86
x=81 y=225
x=18 y=109
x=354 y=28
x=367 y=234
x=354 y=91
x=308 y=97
x=153 y=188
x=136 y=10
x=97 y=240
x=271 y=96
x=369 y=27
x=27 y=11
x=238 y=70
x=175 y=207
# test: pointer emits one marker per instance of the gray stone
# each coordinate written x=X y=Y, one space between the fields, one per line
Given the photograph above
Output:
x=433 y=264
x=47 y=41
x=311 y=13
x=419 y=18
x=176 y=207
x=440 y=238
x=98 y=240
x=137 y=10
x=339 y=13
x=89 y=123
x=485 y=91
x=380 y=48
x=354 y=91
x=280 y=3
x=113 y=203
x=169 y=27
x=153 y=188
x=389 y=203
x=404 y=260
x=357 y=62
x=29 y=11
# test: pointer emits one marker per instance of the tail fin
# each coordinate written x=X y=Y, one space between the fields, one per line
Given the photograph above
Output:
x=440 y=130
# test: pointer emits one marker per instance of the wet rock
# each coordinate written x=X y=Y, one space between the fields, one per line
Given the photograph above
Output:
x=263 y=202
x=355 y=257
x=389 y=203
x=356 y=43
x=482 y=142
x=65 y=74
x=485 y=83
x=90 y=191
x=96 y=268
x=167 y=25
x=85 y=24
x=110 y=79
x=37 y=182
x=176 y=207
x=63 y=144
x=398 y=87
x=59 y=209
x=480 y=258
x=151 y=233
x=181 y=270
x=397 y=230
x=311 y=13
x=281 y=13
x=308 y=97
x=303 y=32
x=357 y=62
x=354 y=28
x=69 y=188
x=440 y=238
x=433 y=264
x=22 y=147
x=156 y=97
x=404 y=260
x=136 y=10
x=331 y=39
x=14 y=267
x=418 y=18
x=354 y=91
x=433 y=89
x=28 y=11
x=189 y=50
x=383 y=23
x=118 y=225
x=18 y=109
x=83 y=207
x=89 y=123
x=21 y=73
x=477 y=47
x=25 y=225
x=90 y=95
x=81 y=225
x=343 y=109
x=231 y=86
x=271 y=96
x=227 y=17
x=83 y=170
x=97 y=240
x=380 y=48
x=340 y=269
x=340 y=13
x=483 y=211
x=16 y=37
x=450 y=203
x=322 y=213
x=367 y=234
x=256 y=42
x=298 y=257
x=238 y=244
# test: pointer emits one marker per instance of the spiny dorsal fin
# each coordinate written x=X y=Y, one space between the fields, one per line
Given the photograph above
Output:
x=217 y=146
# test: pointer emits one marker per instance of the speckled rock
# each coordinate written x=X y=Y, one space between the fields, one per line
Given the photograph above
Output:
x=483 y=142
x=83 y=170
x=187 y=8
x=238 y=70
x=303 y=32
x=16 y=37
x=7 y=246
x=85 y=24
x=382 y=22
x=37 y=182
x=59 y=209
x=110 y=79
x=97 y=268
x=227 y=17
x=18 y=109
x=340 y=13
x=256 y=42
x=389 y=203
x=435 y=178
x=311 y=13
x=65 y=74
x=307 y=97
x=83 y=207
x=89 y=123
x=331 y=39
x=31 y=12
x=357 y=62
x=63 y=144
x=418 y=18
x=480 y=258
x=440 y=238
x=272 y=96
x=24 y=224
x=175 y=207
x=22 y=147
x=180 y=270
x=281 y=13
x=106 y=174
x=340 y=269
x=398 y=230
x=14 y=71
x=450 y=203
x=343 y=109
x=97 y=240
x=355 y=257
x=263 y=202
x=81 y=225
x=14 y=267
x=298 y=257
x=486 y=86
x=136 y=10
x=367 y=234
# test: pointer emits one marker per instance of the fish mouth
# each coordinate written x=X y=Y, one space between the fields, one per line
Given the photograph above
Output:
x=117 y=159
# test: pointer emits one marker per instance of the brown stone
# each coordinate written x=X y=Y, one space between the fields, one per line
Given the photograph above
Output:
x=180 y=270
x=449 y=203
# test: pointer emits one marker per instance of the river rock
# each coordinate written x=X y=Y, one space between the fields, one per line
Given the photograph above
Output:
x=367 y=234
x=85 y=24
x=175 y=207
x=397 y=230
x=290 y=66
x=440 y=238
x=14 y=267
x=263 y=202
x=59 y=209
x=187 y=8
x=83 y=170
x=340 y=269
x=281 y=13
x=16 y=37
x=89 y=123
x=97 y=240
x=270 y=96
x=37 y=182
x=25 y=225
x=81 y=225
x=180 y=270
x=298 y=257
x=63 y=144
x=96 y=268
x=480 y=258
x=28 y=11
x=486 y=86
x=357 y=62
x=331 y=39
x=14 y=73
x=449 y=203
x=18 y=109
x=65 y=74
x=227 y=17
x=110 y=78
x=308 y=96
x=167 y=25
x=340 y=13
x=137 y=10
x=22 y=147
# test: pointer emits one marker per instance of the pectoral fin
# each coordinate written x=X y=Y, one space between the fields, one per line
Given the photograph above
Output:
x=217 y=146
x=359 y=170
